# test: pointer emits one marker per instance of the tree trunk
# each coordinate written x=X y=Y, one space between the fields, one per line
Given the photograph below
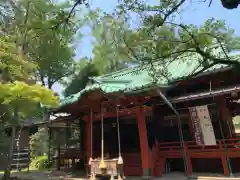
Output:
x=7 y=171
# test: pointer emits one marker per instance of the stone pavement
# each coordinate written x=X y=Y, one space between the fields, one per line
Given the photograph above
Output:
x=61 y=175
x=196 y=176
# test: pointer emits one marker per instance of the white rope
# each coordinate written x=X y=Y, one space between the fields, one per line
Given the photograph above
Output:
x=102 y=131
x=120 y=160
x=102 y=164
x=91 y=121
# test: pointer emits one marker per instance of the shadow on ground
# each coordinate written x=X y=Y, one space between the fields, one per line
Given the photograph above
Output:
x=47 y=175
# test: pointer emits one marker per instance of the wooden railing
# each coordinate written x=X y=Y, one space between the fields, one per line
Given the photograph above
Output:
x=230 y=145
x=70 y=153
x=190 y=146
x=67 y=157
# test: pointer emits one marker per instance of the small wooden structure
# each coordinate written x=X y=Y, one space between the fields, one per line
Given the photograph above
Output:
x=111 y=167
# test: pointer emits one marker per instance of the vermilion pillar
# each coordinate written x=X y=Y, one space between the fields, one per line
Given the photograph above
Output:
x=225 y=166
x=145 y=153
x=226 y=117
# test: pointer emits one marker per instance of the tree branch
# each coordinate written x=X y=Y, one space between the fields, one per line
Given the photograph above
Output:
x=174 y=9
x=59 y=78
x=26 y=29
x=67 y=19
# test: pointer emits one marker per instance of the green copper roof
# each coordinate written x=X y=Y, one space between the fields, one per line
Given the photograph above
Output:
x=139 y=78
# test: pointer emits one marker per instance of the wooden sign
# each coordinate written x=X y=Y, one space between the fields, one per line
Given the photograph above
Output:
x=206 y=126
x=196 y=125
x=202 y=125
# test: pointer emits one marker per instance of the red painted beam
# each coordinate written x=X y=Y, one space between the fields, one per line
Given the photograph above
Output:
x=122 y=112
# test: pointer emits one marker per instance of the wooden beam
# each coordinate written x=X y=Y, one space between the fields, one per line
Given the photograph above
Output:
x=124 y=101
x=122 y=112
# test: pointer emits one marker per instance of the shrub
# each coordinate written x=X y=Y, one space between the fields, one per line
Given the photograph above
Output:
x=41 y=163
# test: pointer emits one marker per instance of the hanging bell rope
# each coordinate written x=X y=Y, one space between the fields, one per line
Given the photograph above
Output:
x=91 y=121
x=93 y=175
x=102 y=164
x=120 y=160
x=112 y=176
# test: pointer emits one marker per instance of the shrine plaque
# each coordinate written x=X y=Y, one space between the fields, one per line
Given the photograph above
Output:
x=202 y=125
x=206 y=126
x=196 y=125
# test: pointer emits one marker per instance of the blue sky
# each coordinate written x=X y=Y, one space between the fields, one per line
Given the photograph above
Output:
x=195 y=12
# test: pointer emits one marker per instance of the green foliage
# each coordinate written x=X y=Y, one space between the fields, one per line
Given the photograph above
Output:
x=48 y=40
x=80 y=80
x=12 y=64
x=172 y=40
x=39 y=143
x=40 y=163
x=73 y=137
x=109 y=50
x=25 y=97
x=17 y=66
x=34 y=46
x=109 y=43
x=160 y=37
x=15 y=93
x=44 y=36
x=4 y=141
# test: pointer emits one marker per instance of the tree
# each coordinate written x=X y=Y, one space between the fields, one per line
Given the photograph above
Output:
x=19 y=95
x=20 y=98
x=47 y=41
x=40 y=47
x=38 y=36
x=108 y=31
x=108 y=50
x=50 y=44
x=160 y=38
x=79 y=80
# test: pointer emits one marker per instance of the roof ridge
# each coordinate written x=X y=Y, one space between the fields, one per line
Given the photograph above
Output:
x=127 y=70
x=140 y=66
x=116 y=72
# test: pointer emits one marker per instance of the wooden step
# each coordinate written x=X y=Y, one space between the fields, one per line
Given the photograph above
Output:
x=20 y=165
x=20 y=153
x=20 y=159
